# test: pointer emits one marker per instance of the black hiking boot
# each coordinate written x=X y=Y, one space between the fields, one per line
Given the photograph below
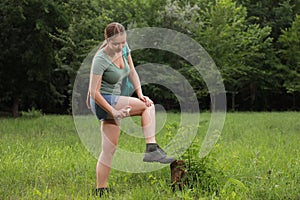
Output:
x=101 y=192
x=156 y=154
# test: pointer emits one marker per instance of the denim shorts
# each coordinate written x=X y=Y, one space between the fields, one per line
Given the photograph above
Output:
x=100 y=113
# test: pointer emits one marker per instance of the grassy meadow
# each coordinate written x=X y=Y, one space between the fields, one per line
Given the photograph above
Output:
x=256 y=157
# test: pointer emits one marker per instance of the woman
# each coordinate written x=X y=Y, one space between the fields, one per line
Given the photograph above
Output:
x=108 y=69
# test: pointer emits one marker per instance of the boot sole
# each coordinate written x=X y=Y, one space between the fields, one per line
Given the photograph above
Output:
x=160 y=161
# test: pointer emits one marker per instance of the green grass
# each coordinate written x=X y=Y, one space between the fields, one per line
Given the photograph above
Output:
x=256 y=157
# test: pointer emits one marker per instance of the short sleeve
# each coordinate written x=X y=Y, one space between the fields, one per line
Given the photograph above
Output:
x=99 y=64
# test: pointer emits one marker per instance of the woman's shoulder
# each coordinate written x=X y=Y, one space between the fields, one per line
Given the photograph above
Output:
x=100 y=53
x=100 y=56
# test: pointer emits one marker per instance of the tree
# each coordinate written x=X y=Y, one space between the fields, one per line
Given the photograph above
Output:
x=275 y=14
x=236 y=47
x=87 y=21
x=278 y=15
x=27 y=58
x=290 y=57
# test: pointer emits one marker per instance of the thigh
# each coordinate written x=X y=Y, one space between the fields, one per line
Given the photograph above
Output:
x=137 y=106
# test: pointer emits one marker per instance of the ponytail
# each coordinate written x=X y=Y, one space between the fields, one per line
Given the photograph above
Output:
x=103 y=45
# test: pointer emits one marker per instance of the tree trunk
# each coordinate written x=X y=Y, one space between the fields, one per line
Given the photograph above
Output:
x=233 y=101
x=15 y=107
x=294 y=101
x=253 y=92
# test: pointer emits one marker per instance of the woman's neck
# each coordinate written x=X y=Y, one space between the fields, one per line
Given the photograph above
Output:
x=109 y=52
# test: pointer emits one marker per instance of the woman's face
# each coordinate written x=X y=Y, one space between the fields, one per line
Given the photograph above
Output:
x=117 y=42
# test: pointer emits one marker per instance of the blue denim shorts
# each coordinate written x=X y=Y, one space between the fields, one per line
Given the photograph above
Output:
x=100 y=113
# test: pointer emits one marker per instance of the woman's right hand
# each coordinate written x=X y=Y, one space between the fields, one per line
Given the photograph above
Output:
x=122 y=113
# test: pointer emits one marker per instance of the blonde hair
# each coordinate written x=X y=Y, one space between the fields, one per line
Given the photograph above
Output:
x=111 y=30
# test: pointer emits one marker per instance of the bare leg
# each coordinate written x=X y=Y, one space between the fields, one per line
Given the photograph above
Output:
x=153 y=152
x=148 y=124
x=110 y=136
x=110 y=130
x=138 y=108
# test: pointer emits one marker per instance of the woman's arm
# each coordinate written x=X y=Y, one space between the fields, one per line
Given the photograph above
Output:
x=134 y=77
x=94 y=91
x=95 y=85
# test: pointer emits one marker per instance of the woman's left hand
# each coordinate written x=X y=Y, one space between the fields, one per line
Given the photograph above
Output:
x=147 y=100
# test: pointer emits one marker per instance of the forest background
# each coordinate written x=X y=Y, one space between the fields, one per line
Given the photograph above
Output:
x=255 y=45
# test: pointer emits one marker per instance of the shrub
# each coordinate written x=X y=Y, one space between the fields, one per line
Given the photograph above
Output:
x=31 y=113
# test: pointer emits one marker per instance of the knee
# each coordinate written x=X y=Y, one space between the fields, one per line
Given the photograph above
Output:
x=149 y=108
x=109 y=148
x=107 y=153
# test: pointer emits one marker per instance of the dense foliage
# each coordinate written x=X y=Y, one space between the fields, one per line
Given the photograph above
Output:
x=255 y=45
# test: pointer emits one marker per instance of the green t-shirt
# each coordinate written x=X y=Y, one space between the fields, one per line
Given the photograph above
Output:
x=112 y=75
